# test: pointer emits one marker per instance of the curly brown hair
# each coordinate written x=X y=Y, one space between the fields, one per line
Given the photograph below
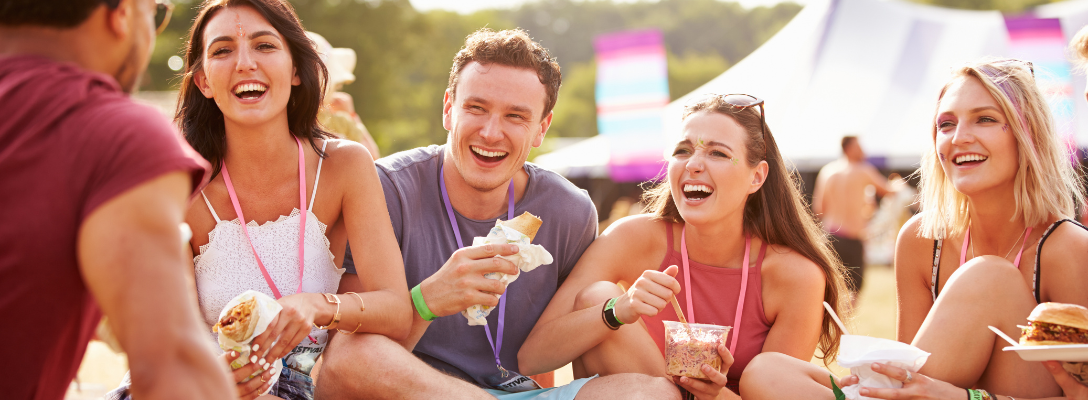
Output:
x=514 y=48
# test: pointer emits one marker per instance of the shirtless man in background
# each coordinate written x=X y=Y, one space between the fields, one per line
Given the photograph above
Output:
x=842 y=204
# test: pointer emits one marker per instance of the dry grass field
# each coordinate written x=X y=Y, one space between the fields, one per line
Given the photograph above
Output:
x=102 y=369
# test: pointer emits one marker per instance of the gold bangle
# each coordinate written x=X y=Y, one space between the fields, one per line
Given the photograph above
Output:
x=352 y=332
x=331 y=298
x=362 y=307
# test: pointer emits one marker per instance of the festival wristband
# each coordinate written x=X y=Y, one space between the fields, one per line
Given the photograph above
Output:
x=609 y=315
x=979 y=394
x=421 y=306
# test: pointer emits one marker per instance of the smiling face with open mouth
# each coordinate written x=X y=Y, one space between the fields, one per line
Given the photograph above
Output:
x=977 y=151
x=709 y=176
x=247 y=67
x=493 y=121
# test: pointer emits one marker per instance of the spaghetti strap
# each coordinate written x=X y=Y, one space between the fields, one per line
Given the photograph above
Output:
x=214 y=215
x=1036 y=277
x=317 y=179
x=937 y=244
x=762 y=252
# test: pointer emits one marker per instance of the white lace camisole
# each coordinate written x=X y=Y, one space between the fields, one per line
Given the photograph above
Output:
x=226 y=267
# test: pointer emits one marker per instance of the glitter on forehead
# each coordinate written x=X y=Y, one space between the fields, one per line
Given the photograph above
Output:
x=241 y=30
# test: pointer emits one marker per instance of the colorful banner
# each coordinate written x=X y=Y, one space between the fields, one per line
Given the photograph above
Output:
x=1041 y=41
x=632 y=92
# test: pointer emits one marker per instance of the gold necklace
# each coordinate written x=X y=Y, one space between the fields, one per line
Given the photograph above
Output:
x=1010 y=249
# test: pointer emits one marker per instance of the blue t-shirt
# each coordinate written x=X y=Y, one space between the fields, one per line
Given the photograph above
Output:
x=414 y=199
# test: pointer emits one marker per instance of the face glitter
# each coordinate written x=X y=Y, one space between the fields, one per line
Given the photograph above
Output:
x=241 y=30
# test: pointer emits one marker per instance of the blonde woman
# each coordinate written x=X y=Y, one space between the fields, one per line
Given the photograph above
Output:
x=993 y=241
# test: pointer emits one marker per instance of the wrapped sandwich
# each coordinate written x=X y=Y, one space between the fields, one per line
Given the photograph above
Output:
x=242 y=319
x=1056 y=324
x=520 y=231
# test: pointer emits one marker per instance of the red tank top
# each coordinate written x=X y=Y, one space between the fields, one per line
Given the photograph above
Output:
x=714 y=292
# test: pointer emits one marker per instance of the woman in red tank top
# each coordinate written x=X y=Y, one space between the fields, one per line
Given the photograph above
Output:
x=729 y=236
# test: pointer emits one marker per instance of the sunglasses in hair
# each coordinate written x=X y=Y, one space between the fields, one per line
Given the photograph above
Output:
x=163 y=10
x=742 y=101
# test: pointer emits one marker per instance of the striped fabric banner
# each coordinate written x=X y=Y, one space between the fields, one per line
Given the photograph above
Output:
x=632 y=92
x=1041 y=41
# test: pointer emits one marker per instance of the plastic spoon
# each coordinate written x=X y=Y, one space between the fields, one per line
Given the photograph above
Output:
x=1004 y=336
x=836 y=318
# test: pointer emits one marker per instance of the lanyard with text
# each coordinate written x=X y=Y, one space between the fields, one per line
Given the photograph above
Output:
x=743 y=286
x=301 y=224
x=457 y=233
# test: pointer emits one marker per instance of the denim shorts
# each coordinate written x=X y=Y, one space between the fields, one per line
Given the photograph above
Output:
x=293 y=385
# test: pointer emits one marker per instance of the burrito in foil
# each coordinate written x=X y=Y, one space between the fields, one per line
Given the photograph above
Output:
x=242 y=319
x=520 y=231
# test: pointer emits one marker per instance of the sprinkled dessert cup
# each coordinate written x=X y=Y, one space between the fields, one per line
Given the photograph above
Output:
x=689 y=346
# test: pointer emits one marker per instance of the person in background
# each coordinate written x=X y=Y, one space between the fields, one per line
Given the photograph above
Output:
x=841 y=201
x=502 y=89
x=337 y=112
x=93 y=190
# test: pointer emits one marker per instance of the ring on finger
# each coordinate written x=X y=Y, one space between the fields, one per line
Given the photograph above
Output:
x=910 y=378
x=262 y=379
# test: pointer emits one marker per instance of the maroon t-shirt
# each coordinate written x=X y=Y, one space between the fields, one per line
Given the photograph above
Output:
x=70 y=140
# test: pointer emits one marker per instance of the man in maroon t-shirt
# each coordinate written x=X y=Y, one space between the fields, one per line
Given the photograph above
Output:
x=93 y=189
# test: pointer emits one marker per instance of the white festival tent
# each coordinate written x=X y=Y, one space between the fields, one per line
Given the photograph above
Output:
x=872 y=68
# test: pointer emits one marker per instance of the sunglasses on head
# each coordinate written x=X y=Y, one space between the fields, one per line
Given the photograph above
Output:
x=163 y=10
x=742 y=101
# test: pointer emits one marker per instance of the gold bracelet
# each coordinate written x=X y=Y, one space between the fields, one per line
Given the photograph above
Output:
x=352 y=332
x=362 y=307
x=331 y=298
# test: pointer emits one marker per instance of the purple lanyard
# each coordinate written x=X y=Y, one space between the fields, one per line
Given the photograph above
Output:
x=457 y=233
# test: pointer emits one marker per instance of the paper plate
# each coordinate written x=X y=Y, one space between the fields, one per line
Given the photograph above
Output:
x=1069 y=352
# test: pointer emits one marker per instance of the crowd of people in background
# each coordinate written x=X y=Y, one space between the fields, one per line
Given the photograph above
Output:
x=107 y=209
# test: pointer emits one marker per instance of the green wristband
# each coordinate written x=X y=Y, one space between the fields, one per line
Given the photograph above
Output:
x=421 y=306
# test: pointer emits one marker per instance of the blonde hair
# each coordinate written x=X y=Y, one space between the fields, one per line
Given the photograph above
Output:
x=1046 y=183
x=1078 y=49
x=776 y=213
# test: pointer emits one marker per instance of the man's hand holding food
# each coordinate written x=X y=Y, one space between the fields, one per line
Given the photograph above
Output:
x=460 y=283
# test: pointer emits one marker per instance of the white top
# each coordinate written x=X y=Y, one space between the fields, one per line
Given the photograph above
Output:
x=226 y=266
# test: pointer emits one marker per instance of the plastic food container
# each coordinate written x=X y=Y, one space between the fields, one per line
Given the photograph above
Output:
x=689 y=346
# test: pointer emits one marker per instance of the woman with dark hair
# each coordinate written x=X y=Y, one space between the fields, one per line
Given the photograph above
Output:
x=249 y=101
x=730 y=237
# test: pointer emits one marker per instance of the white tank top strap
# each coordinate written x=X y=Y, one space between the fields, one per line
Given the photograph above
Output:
x=317 y=179
x=214 y=215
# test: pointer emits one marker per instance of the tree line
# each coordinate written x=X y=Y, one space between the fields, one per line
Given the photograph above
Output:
x=404 y=55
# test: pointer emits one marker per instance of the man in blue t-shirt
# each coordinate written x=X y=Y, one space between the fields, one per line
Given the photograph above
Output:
x=497 y=107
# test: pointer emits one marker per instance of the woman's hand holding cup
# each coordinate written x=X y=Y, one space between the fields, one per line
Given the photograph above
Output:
x=714 y=388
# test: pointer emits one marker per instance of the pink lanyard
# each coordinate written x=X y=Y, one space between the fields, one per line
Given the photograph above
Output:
x=301 y=225
x=967 y=240
x=743 y=285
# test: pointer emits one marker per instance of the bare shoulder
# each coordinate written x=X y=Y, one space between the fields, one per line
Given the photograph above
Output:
x=910 y=238
x=636 y=232
x=786 y=269
x=1067 y=239
x=347 y=157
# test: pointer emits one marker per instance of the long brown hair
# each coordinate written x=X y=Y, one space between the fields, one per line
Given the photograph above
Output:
x=199 y=117
x=776 y=213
